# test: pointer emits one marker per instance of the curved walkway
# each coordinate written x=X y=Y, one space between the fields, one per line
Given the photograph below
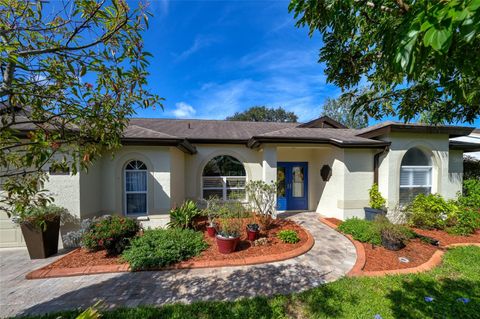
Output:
x=331 y=257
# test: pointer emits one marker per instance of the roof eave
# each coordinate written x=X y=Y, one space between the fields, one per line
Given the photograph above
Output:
x=255 y=142
x=452 y=131
x=464 y=146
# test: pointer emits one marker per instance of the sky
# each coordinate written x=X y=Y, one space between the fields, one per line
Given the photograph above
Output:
x=213 y=58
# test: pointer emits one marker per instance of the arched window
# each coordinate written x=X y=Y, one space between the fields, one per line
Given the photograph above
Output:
x=224 y=177
x=135 y=188
x=415 y=175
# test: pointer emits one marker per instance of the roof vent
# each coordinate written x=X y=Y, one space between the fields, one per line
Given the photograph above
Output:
x=189 y=125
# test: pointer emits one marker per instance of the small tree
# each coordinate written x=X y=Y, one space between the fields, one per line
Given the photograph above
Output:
x=72 y=73
x=340 y=109
x=262 y=198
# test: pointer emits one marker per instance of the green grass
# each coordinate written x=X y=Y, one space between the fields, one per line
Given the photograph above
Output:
x=400 y=296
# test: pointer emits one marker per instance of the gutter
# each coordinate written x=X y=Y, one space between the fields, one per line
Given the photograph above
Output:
x=256 y=142
x=376 y=163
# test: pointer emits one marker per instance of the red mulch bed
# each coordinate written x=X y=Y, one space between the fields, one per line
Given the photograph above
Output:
x=245 y=247
x=447 y=239
x=379 y=258
x=82 y=257
x=417 y=251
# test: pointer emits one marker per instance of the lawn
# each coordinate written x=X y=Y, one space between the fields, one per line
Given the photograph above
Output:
x=400 y=296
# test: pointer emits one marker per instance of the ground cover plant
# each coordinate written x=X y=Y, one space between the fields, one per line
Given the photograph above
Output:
x=158 y=248
x=361 y=230
x=182 y=217
x=288 y=236
x=112 y=233
x=450 y=291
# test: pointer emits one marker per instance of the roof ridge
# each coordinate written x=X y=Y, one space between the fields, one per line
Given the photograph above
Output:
x=154 y=131
x=212 y=120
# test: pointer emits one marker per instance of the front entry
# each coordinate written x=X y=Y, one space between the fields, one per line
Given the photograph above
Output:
x=292 y=192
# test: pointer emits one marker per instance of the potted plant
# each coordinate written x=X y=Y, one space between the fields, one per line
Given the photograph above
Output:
x=228 y=235
x=377 y=204
x=252 y=231
x=40 y=228
x=212 y=212
x=393 y=238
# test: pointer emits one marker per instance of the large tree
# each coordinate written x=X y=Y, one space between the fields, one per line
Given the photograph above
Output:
x=416 y=56
x=264 y=114
x=340 y=109
x=72 y=72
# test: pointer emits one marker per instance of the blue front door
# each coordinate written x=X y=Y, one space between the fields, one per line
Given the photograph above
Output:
x=292 y=193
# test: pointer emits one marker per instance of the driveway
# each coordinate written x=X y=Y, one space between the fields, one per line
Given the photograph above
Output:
x=330 y=258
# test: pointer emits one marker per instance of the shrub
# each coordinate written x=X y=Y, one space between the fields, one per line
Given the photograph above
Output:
x=376 y=199
x=361 y=230
x=471 y=194
x=464 y=222
x=112 y=233
x=471 y=168
x=288 y=236
x=162 y=247
x=182 y=217
x=430 y=211
x=262 y=198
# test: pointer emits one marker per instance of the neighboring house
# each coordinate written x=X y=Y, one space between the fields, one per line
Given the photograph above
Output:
x=319 y=166
x=473 y=138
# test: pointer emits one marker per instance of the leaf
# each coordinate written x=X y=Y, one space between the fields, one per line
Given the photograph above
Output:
x=439 y=40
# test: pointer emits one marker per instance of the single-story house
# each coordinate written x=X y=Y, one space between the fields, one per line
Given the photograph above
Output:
x=320 y=166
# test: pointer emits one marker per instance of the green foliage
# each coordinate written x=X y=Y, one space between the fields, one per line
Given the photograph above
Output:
x=112 y=233
x=340 y=109
x=376 y=199
x=464 y=222
x=230 y=227
x=471 y=168
x=264 y=114
x=288 y=236
x=471 y=194
x=182 y=217
x=162 y=247
x=38 y=216
x=429 y=211
x=417 y=56
x=349 y=297
x=361 y=230
x=69 y=82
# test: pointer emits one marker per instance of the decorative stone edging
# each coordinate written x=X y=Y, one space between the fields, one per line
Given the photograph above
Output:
x=357 y=270
x=44 y=272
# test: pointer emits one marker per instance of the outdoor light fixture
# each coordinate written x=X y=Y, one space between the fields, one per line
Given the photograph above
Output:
x=326 y=172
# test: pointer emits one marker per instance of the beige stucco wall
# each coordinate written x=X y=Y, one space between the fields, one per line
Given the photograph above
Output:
x=446 y=173
x=177 y=180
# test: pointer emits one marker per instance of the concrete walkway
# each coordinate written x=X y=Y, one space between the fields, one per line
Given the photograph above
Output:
x=330 y=258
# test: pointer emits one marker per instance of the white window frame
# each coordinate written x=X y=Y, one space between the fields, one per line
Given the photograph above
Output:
x=224 y=187
x=125 y=171
x=418 y=168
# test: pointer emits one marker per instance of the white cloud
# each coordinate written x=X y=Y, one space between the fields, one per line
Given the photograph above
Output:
x=199 y=43
x=183 y=110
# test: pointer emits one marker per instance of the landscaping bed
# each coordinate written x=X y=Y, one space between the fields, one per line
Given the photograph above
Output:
x=82 y=257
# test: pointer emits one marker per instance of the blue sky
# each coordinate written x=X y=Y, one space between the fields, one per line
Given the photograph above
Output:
x=214 y=58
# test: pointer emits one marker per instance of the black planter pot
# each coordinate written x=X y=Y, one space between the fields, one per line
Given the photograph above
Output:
x=41 y=244
x=392 y=244
x=371 y=213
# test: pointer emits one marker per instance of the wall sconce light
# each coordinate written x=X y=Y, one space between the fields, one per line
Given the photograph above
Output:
x=326 y=172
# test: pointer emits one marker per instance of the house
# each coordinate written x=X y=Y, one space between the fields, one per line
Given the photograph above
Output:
x=320 y=166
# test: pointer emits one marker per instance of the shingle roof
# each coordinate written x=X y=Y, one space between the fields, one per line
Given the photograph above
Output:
x=209 y=129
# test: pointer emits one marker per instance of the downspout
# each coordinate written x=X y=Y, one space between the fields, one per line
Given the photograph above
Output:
x=376 y=163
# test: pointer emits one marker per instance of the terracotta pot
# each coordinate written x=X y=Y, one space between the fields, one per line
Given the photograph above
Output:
x=252 y=234
x=226 y=245
x=211 y=231
x=41 y=244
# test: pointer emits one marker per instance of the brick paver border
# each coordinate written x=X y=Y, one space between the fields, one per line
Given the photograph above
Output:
x=357 y=270
x=44 y=272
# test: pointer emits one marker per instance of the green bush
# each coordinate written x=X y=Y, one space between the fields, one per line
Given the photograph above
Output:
x=361 y=230
x=376 y=199
x=288 y=236
x=112 y=233
x=430 y=211
x=182 y=217
x=464 y=222
x=162 y=247
x=471 y=194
